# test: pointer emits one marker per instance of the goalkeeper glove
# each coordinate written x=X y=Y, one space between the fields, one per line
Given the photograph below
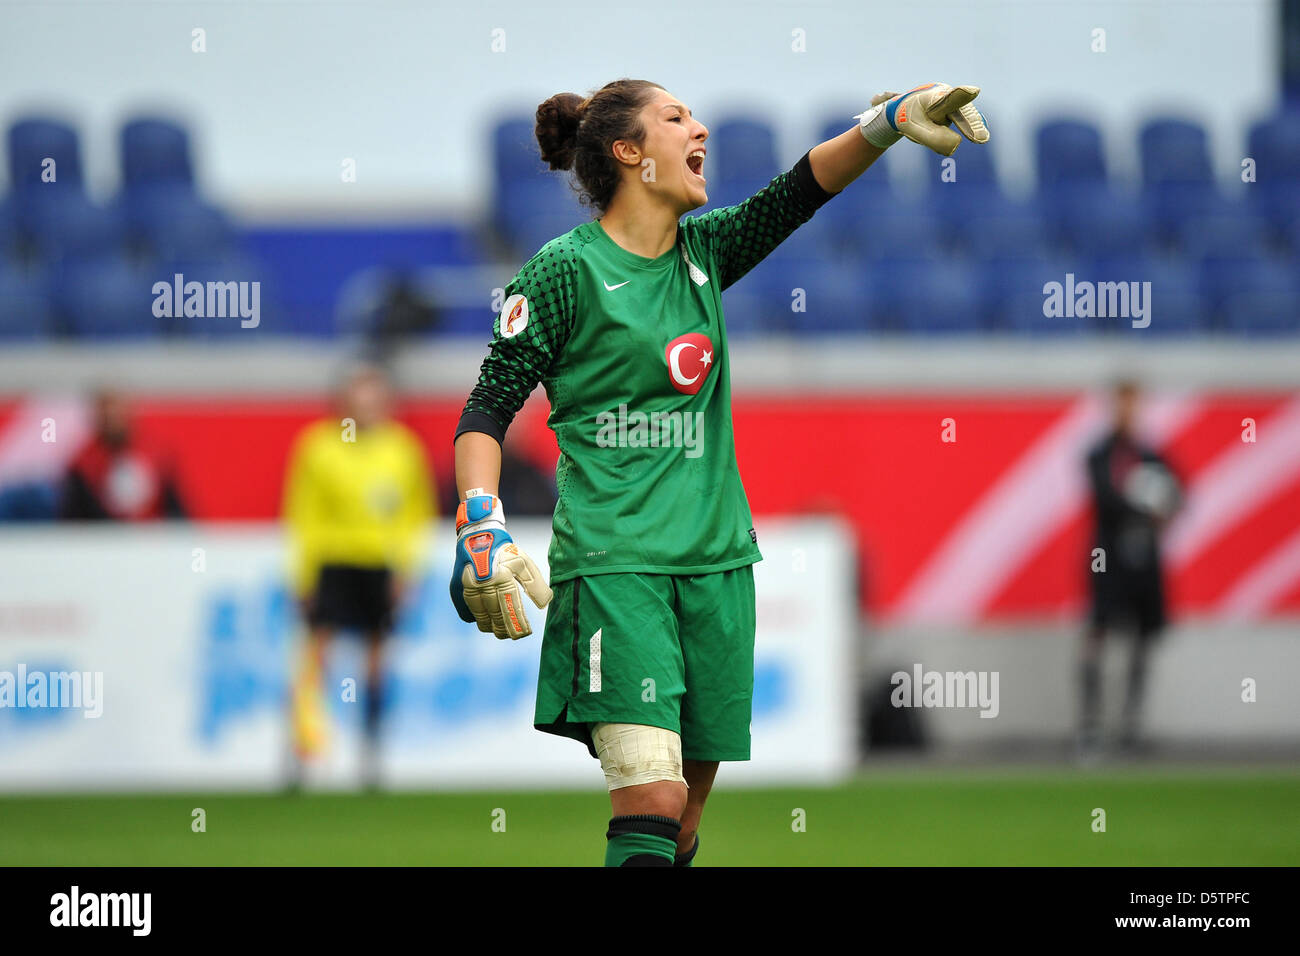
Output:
x=490 y=569
x=923 y=115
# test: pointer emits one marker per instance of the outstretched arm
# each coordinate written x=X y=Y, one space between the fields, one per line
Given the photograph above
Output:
x=924 y=115
x=739 y=237
x=839 y=161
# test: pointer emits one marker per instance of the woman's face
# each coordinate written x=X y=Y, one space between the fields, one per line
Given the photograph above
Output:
x=673 y=152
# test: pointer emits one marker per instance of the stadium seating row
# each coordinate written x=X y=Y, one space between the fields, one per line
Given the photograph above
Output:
x=114 y=297
x=962 y=257
x=965 y=256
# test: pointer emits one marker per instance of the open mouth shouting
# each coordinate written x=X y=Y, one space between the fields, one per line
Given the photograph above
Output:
x=695 y=163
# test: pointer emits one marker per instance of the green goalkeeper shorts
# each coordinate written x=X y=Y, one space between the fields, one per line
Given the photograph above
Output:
x=671 y=651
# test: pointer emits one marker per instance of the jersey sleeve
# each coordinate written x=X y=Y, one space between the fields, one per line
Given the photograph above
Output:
x=739 y=237
x=528 y=335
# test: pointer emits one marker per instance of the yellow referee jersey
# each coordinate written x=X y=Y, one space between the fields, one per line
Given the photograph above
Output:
x=364 y=502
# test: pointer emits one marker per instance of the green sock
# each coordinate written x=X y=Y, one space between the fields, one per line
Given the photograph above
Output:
x=641 y=840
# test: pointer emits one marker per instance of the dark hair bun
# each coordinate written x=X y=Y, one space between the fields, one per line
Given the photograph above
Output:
x=557 y=129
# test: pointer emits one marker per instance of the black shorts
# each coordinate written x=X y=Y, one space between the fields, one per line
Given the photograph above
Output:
x=1129 y=601
x=352 y=598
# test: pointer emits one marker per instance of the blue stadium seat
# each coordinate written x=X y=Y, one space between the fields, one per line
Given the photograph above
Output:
x=547 y=196
x=835 y=123
x=54 y=220
x=1278 y=204
x=839 y=226
x=1006 y=229
x=232 y=268
x=538 y=212
x=730 y=190
x=1291 y=238
x=1224 y=235
x=943 y=298
x=515 y=154
x=1274 y=144
x=109 y=297
x=1174 y=150
x=1105 y=226
x=155 y=152
x=1177 y=177
x=1069 y=153
x=34 y=140
x=530 y=233
x=1014 y=290
x=748 y=314
x=826 y=235
x=975 y=192
x=525 y=187
x=172 y=222
x=518 y=172
x=11 y=243
x=1176 y=304
x=1233 y=274
x=1260 y=313
x=25 y=308
x=906 y=229
x=927 y=294
x=1176 y=311
x=972 y=165
x=850 y=224
x=63 y=224
x=834 y=299
x=763 y=301
x=759 y=304
x=741 y=149
x=1072 y=176
x=1069 y=209
x=872 y=191
x=816 y=239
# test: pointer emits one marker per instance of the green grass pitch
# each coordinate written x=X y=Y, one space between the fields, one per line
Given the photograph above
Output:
x=925 y=817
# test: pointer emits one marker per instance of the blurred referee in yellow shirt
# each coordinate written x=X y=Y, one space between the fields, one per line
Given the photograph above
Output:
x=358 y=500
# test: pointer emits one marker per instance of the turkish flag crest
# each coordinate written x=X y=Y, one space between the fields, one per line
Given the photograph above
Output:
x=690 y=357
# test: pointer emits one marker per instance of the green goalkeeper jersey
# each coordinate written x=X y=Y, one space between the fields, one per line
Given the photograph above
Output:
x=633 y=354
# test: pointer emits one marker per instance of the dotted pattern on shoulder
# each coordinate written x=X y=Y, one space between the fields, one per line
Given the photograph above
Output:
x=739 y=237
x=514 y=365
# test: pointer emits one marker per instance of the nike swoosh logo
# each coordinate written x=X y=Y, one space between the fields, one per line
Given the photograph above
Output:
x=611 y=288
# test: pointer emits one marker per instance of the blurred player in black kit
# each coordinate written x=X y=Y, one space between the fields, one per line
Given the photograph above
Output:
x=1135 y=493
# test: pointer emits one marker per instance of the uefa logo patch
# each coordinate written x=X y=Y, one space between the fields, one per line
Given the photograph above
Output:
x=514 y=316
x=689 y=359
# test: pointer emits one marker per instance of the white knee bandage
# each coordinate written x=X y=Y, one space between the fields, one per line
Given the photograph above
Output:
x=632 y=754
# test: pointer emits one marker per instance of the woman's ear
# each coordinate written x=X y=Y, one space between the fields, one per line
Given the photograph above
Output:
x=626 y=152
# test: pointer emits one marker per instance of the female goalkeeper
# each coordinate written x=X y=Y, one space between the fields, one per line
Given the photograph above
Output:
x=648 y=652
